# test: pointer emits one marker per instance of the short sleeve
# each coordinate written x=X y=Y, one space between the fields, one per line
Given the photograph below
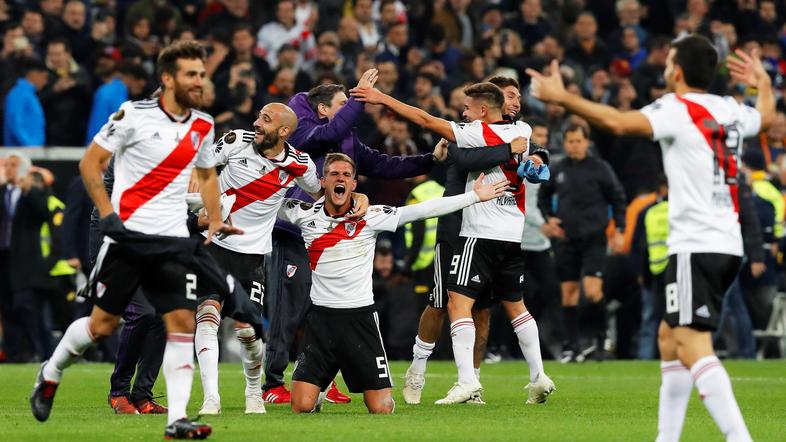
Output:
x=750 y=120
x=309 y=181
x=291 y=210
x=661 y=115
x=383 y=218
x=468 y=134
x=205 y=157
x=230 y=143
x=118 y=131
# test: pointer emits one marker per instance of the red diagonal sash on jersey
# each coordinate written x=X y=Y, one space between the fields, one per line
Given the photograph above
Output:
x=330 y=239
x=715 y=135
x=265 y=186
x=164 y=173
x=491 y=138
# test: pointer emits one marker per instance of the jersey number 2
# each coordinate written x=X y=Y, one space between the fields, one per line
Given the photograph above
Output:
x=191 y=285
x=257 y=292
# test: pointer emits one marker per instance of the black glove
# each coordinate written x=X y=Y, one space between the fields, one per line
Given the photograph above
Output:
x=111 y=226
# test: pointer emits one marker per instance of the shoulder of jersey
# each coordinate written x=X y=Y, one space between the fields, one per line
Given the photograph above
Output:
x=293 y=203
x=202 y=115
x=298 y=156
x=234 y=140
x=387 y=210
x=144 y=104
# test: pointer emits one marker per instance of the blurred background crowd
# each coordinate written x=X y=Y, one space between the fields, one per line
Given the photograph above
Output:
x=66 y=65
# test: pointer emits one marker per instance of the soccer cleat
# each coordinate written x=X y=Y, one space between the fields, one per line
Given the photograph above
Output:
x=477 y=399
x=122 y=405
x=540 y=389
x=43 y=395
x=413 y=387
x=567 y=357
x=211 y=406
x=255 y=404
x=185 y=429
x=336 y=397
x=277 y=395
x=461 y=393
x=149 y=406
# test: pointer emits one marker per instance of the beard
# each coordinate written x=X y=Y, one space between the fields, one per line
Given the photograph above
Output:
x=184 y=98
x=269 y=141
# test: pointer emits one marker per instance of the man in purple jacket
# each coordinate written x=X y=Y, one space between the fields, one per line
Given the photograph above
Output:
x=326 y=123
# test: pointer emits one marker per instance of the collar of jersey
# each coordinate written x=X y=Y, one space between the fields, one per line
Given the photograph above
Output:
x=286 y=155
x=170 y=116
x=324 y=209
x=504 y=120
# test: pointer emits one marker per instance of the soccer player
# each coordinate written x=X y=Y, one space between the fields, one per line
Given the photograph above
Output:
x=490 y=257
x=258 y=169
x=700 y=135
x=342 y=328
x=460 y=162
x=157 y=144
x=326 y=123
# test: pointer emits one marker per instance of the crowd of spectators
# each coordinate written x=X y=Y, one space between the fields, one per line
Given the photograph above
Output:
x=66 y=65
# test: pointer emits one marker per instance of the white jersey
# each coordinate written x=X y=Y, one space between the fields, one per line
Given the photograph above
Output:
x=501 y=218
x=259 y=185
x=701 y=136
x=154 y=156
x=340 y=252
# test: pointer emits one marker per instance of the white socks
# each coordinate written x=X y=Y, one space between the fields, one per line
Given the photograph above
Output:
x=527 y=332
x=206 y=343
x=75 y=341
x=178 y=370
x=252 y=360
x=715 y=391
x=477 y=374
x=675 y=389
x=462 y=333
x=420 y=354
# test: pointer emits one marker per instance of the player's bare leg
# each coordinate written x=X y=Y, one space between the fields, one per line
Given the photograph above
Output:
x=208 y=319
x=379 y=401
x=305 y=397
x=482 y=318
x=79 y=336
x=252 y=355
x=593 y=289
x=526 y=329
x=570 y=311
x=462 y=332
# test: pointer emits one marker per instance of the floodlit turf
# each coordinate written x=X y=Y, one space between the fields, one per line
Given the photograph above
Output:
x=594 y=402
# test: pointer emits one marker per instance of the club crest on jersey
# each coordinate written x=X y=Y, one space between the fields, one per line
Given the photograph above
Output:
x=195 y=140
x=282 y=176
x=291 y=269
x=350 y=228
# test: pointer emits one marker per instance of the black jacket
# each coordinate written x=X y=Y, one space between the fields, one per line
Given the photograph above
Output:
x=584 y=191
x=76 y=223
x=27 y=268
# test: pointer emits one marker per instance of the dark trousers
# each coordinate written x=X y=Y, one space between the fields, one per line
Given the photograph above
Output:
x=543 y=297
x=141 y=350
x=12 y=325
x=288 y=300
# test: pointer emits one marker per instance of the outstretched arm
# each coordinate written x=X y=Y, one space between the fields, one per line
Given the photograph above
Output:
x=749 y=70
x=411 y=113
x=442 y=206
x=551 y=89
x=375 y=164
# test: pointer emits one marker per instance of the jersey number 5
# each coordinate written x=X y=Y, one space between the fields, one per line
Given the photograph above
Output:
x=382 y=365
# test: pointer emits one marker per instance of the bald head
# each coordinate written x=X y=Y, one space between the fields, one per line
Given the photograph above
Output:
x=276 y=122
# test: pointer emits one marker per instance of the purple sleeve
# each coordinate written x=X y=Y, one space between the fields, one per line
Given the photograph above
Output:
x=374 y=164
x=336 y=130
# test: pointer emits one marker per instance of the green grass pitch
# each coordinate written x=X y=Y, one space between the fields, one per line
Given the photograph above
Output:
x=609 y=401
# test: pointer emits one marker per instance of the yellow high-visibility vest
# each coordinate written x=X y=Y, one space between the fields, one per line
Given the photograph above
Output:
x=56 y=208
x=656 y=224
x=423 y=192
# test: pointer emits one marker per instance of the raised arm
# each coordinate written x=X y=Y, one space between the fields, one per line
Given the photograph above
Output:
x=550 y=88
x=479 y=158
x=411 y=113
x=448 y=204
x=750 y=71
x=375 y=164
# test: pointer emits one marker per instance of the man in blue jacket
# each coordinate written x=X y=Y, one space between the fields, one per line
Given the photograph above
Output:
x=326 y=123
x=24 y=123
x=128 y=82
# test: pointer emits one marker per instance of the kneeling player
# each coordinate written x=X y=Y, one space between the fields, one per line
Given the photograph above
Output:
x=342 y=329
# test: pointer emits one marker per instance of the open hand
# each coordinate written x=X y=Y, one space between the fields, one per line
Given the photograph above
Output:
x=360 y=207
x=747 y=69
x=368 y=79
x=547 y=87
x=367 y=95
x=487 y=191
x=221 y=230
